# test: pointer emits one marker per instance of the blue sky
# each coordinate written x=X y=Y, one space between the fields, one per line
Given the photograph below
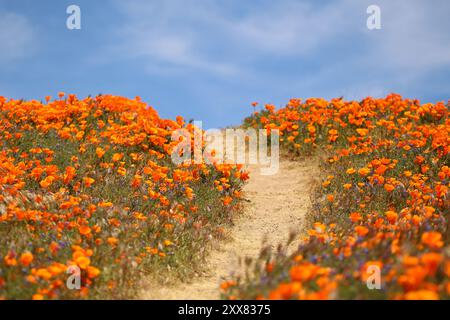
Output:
x=208 y=60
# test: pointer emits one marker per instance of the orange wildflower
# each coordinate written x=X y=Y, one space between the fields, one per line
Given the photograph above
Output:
x=83 y=262
x=432 y=239
x=100 y=152
x=26 y=258
x=389 y=187
x=361 y=230
x=391 y=216
x=88 y=181
x=422 y=295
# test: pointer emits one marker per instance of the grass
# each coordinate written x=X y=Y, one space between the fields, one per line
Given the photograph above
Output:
x=90 y=183
x=383 y=202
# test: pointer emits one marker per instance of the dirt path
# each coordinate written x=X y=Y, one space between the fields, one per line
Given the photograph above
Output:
x=277 y=205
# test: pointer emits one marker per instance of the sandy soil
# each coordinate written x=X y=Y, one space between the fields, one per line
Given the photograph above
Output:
x=277 y=205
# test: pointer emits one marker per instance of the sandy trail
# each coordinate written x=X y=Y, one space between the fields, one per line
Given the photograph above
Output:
x=277 y=205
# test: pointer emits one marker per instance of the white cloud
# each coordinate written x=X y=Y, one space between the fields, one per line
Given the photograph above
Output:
x=16 y=37
x=161 y=33
x=169 y=50
x=236 y=38
x=415 y=36
x=292 y=27
x=206 y=35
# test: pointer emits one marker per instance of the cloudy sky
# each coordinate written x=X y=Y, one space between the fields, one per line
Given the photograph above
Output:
x=208 y=60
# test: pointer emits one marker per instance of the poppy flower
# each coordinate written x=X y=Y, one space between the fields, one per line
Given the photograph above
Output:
x=92 y=272
x=363 y=171
x=391 y=216
x=83 y=262
x=113 y=241
x=26 y=258
x=355 y=217
x=361 y=230
x=432 y=239
x=88 y=181
x=100 y=152
x=84 y=230
x=421 y=295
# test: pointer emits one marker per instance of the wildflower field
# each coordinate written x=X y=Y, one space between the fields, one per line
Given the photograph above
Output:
x=90 y=183
x=383 y=202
